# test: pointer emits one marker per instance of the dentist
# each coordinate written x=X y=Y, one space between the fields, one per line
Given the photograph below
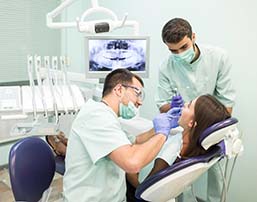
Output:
x=99 y=152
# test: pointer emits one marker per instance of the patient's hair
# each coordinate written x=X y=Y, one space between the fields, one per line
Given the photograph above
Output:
x=208 y=111
x=119 y=76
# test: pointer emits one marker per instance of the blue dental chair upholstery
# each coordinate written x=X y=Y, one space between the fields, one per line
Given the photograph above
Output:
x=168 y=183
x=31 y=169
x=59 y=159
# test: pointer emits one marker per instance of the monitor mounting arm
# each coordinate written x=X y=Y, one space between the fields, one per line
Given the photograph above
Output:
x=91 y=27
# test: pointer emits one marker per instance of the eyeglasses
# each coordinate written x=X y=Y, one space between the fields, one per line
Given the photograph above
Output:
x=140 y=93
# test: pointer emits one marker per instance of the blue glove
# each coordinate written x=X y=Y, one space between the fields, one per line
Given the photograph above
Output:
x=174 y=115
x=176 y=101
x=161 y=124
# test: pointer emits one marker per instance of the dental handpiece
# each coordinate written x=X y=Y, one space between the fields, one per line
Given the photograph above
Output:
x=64 y=65
x=32 y=86
x=39 y=83
x=56 y=85
x=175 y=92
x=50 y=83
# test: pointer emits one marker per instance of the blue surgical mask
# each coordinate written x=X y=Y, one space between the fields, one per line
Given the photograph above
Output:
x=128 y=111
x=185 y=57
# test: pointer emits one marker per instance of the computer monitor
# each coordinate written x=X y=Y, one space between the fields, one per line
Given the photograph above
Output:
x=106 y=53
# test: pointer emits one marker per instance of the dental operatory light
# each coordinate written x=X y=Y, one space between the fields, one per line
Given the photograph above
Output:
x=91 y=26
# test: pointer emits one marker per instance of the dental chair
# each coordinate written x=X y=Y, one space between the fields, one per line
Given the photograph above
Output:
x=31 y=169
x=60 y=164
x=221 y=140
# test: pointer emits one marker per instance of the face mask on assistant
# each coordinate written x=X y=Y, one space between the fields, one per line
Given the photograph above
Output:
x=186 y=56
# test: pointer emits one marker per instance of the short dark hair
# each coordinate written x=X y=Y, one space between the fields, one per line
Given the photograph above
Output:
x=119 y=76
x=175 y=30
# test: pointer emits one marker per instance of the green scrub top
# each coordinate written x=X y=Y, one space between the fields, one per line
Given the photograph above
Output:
x=209 y=74
x=91 y=176
x=169 y=152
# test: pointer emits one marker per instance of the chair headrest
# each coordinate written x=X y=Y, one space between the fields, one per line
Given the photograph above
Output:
x=215 y=133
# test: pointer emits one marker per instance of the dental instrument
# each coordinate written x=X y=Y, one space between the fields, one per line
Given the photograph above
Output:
x=175 y=91
x=64 y=65
x=38 y=65
x=56 y=86
x=55 y=68
x=32 y=85
x=50 y=85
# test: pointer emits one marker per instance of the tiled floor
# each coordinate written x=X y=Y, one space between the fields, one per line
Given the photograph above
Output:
x=6 y=192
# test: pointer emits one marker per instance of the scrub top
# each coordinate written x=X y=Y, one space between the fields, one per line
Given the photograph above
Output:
x=91 y=176
x=169 y=152
x=209 y=74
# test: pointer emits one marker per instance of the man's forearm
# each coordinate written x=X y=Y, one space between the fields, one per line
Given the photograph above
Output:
x=145 y=153
x=144 y=136
x=132 y=158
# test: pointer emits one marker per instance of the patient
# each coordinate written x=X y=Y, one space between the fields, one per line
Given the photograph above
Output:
x=58 y=143
x=196 y=116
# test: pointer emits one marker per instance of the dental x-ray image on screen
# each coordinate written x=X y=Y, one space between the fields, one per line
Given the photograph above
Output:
x=109 y=53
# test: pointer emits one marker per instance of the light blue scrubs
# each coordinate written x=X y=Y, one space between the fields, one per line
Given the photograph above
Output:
x=210 y=73
x=90 y=175
x=169 y=152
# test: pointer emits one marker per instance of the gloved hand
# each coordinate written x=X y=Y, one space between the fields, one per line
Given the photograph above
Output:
x=174 y=115
x=176 y=101
x=162 y=124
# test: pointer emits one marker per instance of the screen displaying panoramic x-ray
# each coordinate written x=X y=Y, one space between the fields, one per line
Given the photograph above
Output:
x=110 y=53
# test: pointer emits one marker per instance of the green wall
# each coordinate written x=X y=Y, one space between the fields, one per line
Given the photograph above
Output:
x=24 y=31
x=230 y=24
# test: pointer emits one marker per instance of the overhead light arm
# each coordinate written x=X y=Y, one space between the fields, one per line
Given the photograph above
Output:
x=92 y=26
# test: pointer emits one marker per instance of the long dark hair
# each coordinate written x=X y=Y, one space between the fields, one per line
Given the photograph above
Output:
x=208 y=110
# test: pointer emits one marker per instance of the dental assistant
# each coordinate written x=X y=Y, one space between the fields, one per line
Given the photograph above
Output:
x=99 y=152
x=193 y=70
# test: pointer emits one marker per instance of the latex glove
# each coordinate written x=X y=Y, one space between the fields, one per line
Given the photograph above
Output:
x=174 y=115
x=161 y=124
x=176 y=101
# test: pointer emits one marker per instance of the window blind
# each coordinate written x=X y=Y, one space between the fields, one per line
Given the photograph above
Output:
x=23 y=31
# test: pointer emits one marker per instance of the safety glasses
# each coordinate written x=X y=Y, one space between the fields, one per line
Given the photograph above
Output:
x=140 y=93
